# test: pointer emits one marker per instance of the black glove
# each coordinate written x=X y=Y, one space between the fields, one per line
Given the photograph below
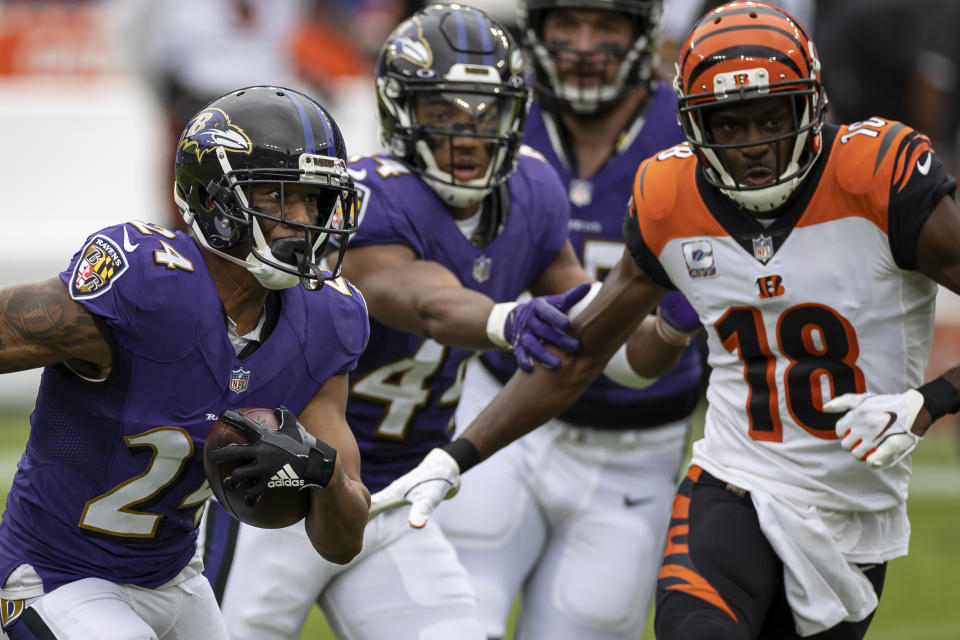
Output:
x=311 y=461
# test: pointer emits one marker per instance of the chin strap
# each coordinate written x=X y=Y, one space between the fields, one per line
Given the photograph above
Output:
x=270 y=277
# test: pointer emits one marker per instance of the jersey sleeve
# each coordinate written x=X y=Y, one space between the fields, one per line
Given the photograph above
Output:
x=919 y=183
x=642 y=255
x=352 y=325
x=105 y=276
x=552 y=216
x=382 y=218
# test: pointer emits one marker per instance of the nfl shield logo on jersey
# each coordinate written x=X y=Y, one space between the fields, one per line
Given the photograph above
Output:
x=481 y=268
x=763 y=248
x=581 y=192
x=239 y=380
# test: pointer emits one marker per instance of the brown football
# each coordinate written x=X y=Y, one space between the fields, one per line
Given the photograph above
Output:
x=280 y=506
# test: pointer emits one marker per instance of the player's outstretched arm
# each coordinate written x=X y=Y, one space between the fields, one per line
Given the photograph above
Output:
x=881 y=429
x=41 y=325
x=529 y=399
x=425 y=298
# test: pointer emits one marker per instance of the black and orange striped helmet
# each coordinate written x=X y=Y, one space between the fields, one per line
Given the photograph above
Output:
x=749 y=51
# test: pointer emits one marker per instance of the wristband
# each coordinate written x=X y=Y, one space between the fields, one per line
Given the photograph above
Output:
x=585 y=300
x=321 y=463
x=670 y=335
x=622 y=372
x=940 y=397
x=463 y=452
x=496 y=321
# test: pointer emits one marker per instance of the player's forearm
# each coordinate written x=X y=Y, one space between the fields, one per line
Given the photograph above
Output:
x=649 y=355
x=529 y=400
x=40 y=325
x=456 y=317
x=337 y=516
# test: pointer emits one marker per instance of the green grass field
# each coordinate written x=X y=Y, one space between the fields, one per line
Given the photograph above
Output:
x=920 y=597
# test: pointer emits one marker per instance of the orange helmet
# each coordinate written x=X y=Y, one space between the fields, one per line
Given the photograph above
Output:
x=748 y=51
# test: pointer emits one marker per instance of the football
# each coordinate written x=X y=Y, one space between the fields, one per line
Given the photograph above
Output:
x=280 y=506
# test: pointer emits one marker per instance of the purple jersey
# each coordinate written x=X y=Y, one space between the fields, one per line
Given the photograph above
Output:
x=405 y=389
x=111 y=484
x=597 y=207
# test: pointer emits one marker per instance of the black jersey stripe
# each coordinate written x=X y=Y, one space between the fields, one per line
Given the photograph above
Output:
x=886 y=142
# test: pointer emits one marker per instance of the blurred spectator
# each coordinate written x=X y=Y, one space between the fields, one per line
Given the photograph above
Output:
x=193 y=51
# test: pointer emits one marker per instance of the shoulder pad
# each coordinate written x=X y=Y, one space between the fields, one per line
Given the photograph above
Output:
x=658 y=179
x=529 y=152
x=371 y=167
x=866 y=154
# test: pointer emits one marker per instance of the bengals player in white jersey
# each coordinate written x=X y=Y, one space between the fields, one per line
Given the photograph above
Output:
x=812 y=254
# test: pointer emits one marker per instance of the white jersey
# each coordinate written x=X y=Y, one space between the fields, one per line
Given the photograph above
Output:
x=824 y=301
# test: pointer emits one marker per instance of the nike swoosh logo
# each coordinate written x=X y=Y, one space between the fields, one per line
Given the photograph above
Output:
x=893 y=418
x=924 y=167
x=127 y=246
x=358 y=175
x=629 y=501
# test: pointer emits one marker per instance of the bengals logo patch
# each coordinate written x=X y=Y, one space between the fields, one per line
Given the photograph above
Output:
x=101 y=263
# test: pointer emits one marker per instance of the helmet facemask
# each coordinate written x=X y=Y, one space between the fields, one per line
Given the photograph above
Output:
x=462 y=138
x=235 y=220
x=567 y=76
x=801 y=141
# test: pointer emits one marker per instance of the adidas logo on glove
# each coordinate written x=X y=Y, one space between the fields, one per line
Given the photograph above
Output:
x=285 y=477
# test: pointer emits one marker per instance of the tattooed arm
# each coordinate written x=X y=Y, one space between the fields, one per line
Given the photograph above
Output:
x=41 y=325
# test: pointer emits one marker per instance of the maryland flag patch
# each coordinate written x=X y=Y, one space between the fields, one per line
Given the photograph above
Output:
x=101 y=263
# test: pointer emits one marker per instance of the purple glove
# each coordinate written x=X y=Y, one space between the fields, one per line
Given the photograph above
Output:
x=540 y=320
x=677 y=321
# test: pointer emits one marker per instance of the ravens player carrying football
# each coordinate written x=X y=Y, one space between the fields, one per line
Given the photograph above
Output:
x=149 y=335
x=456 y=221
x=812 y=254
x=578 y=510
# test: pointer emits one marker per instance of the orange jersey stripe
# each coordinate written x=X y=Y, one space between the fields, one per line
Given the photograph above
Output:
x=695 y=585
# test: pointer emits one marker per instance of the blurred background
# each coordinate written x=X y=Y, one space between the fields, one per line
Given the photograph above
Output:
x=94 y=93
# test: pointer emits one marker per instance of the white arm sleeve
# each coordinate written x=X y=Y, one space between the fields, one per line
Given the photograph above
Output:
x=619 y=370
x=585 y=300
x=496 y=322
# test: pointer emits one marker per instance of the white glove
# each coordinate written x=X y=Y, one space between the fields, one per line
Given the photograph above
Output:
x=876 y=428
x=435 y=479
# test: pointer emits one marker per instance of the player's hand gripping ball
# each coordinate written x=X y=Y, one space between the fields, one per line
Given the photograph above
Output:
x=282 y=505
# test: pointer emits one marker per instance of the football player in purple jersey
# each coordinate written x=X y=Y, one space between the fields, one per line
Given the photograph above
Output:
x=146 y=338
x=455 y=222
x=578 y=510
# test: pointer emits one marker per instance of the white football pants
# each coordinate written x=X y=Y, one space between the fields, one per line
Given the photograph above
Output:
x=406 y=584
x=183 y=609
x=574 y=518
